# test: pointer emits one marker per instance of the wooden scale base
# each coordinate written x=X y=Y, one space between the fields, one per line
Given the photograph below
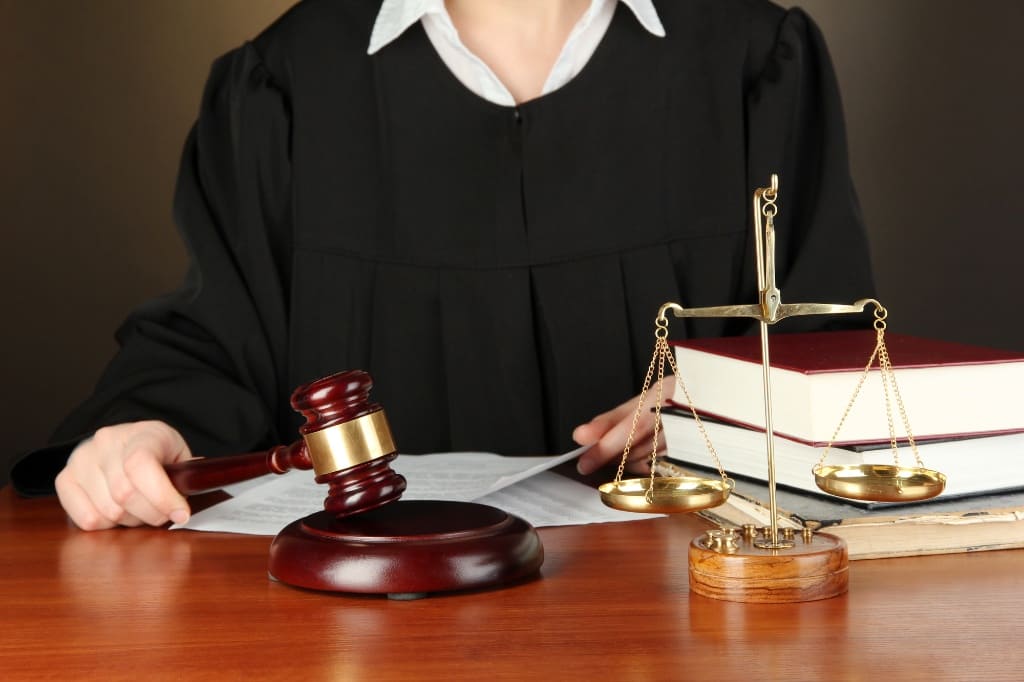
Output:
x=407 y=549
x=733 y=568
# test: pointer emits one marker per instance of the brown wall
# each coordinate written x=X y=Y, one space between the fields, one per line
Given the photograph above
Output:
x=934 y=98
x=98 y=96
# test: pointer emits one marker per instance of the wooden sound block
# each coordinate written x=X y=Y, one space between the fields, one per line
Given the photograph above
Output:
x=815 y=568
x=407 y=549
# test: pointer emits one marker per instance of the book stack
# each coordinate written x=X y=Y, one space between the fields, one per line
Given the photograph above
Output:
x=950 y=389
x=963 y=404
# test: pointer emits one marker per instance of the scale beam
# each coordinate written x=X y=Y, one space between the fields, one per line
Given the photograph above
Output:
x=771 y=315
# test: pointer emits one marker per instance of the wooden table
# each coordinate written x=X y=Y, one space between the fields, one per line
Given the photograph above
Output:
x=612 y=604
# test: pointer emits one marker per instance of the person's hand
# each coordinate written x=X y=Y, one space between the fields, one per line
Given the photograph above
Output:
x=606 y=434
x=117 y=477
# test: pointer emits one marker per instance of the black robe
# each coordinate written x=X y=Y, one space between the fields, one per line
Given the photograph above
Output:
x=496 y=269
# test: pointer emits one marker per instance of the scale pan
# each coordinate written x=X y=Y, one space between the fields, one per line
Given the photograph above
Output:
x=671 y=494
x=880 y=482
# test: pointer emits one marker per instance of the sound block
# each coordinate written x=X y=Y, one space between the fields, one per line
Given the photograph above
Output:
x=814 y=568
x=407 y=549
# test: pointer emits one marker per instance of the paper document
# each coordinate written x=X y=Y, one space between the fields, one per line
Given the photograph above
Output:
x=550 y=499
x=518 y=485
x=467 y=476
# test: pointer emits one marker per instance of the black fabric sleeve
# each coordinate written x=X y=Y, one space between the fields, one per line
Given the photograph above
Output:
x=208 y=359
x=796 y=129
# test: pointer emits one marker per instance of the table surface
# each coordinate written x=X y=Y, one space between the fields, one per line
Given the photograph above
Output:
x=612 y=603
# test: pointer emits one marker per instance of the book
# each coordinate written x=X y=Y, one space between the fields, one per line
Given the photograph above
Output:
x=972 y=465
x=948 y=389
x=973 y=524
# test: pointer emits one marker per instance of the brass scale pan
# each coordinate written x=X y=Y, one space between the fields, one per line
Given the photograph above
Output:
x=868 y=482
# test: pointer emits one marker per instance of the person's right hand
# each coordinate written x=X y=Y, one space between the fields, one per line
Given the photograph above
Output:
x=117 y=477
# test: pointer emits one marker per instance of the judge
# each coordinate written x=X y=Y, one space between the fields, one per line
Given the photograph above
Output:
x=482 y=203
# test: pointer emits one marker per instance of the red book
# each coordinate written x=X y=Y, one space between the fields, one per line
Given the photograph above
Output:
x=948 y=389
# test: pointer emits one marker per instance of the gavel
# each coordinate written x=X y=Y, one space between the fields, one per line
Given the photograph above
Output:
x=366 y=540
x=346 y=440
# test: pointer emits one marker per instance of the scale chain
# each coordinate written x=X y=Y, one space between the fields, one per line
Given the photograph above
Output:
x=887 y=377
x=696 y=418
x=639 y=408
x=662 y=352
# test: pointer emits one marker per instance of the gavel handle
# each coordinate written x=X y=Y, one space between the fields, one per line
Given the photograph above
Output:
x=201 y=474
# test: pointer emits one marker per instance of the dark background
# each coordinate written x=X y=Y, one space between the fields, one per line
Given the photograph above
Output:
x=98 y=96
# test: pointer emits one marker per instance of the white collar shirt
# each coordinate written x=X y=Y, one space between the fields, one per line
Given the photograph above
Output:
x=396 y=16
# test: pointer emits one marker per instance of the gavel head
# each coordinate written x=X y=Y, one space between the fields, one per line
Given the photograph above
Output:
x=349 y=442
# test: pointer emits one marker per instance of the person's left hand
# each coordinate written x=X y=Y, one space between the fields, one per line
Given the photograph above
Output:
x=606 y=434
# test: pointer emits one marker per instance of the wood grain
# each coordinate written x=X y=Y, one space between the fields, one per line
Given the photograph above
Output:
x=613 y=603
x=812 y=568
